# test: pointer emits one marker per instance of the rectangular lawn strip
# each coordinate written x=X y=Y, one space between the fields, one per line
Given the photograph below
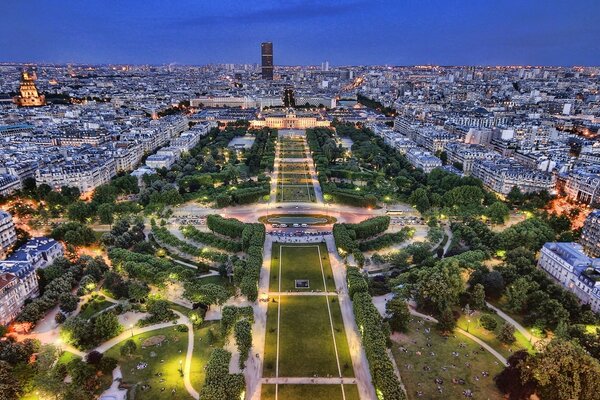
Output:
x=202 y=349
x=163 y=359
x=306 y=347
x=419 y=368
x=475 y=328
x=300 y=263
x=312 y=392
x=270 y=356
x=297 y=193
x=341 y=341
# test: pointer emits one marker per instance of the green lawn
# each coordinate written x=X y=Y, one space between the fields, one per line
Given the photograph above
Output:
x=300 y=262
x=477 y=330
x=164 y=359
x=202 y=350
x=93 y=307
x=501 y=304
x=298 y=193
x=419 y=368
x=312 y=392
x=306 y=346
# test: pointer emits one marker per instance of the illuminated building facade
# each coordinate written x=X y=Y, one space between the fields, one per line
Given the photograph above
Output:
x=290 y=120
x=29 y=96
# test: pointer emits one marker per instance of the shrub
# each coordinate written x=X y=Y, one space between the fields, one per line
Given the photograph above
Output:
x=488 y=322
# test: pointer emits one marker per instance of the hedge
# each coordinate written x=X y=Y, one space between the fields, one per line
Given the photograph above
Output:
x=370 y=227
x=219 y=384
x=385 y=240
x=230 y=227
x=374 y=342
x=163 y=236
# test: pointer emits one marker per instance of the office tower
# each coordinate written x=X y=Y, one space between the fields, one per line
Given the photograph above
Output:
x=266 y=53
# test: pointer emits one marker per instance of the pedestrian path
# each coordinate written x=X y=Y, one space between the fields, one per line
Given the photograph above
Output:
x=308 y=381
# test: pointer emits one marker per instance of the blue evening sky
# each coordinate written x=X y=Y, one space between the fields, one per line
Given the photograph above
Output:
x=345 y=32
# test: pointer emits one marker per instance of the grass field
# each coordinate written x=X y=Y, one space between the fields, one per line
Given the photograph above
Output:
x=419 y=368
x=308 y=329
x=313 y=392
x=299 y=193
x=294 y=179
x=300 y=262
x=164 y=360
x=202 y=349
x=93 y=307
x=306 y=346
x=489 y=337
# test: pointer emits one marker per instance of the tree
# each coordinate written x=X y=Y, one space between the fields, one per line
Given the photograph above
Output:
x=493 y=283
x=207 y=294
x=79 y=211
x=563 y=371
x=498 y=212
x=159 y=311
x=10 y=387
x=488 y=322
x=94 y=357
x=420 y=200
x=509 y=380
x=105 y=213
x=106 y=326
x=60 y=318
x=438 y=288
x=128 y=348
x=242 y=331
x=517 y=292
x=506 y=333
x=446 y=321
x=478 y=297
x=515 y=196
x=68 y=302
x=399 y=315
x=137 y=291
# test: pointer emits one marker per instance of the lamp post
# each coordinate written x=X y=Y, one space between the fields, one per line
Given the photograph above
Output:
x=468 y=324
x=131 y=328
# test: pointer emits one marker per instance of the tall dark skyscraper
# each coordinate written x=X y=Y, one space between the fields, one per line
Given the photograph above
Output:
x=266 y=53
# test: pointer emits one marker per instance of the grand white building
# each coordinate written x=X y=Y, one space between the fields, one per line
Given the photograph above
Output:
x=578 y=273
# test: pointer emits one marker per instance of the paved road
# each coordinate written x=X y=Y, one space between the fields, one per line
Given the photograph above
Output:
x=308 y=381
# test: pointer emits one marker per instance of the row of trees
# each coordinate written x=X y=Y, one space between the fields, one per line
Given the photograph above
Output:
x=261 y=155
x=230 y=227
x=149 y=269
x=219 y=384
x=166 y=238
x=386 y=240
x=374 y=334
x=210 y=239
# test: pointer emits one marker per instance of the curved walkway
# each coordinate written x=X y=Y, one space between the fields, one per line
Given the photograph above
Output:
x=532 y=339
x=480 y=342
x=183 y=320
x=380 y=301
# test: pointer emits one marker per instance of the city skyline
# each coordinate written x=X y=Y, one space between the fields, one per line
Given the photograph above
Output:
x=556 y=33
